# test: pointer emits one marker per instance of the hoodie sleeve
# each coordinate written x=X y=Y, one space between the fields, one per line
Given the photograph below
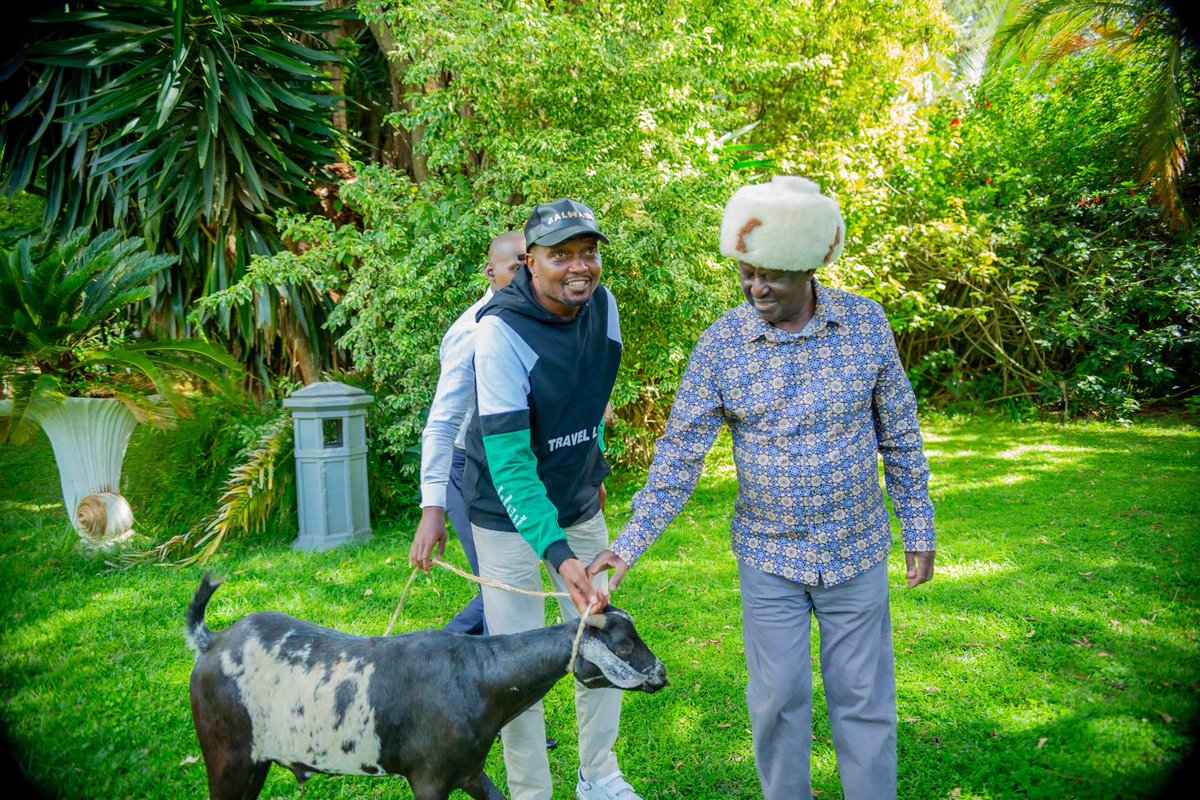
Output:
x=503 y=363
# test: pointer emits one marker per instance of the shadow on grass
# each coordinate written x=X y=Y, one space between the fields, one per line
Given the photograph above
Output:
x=1054 y=655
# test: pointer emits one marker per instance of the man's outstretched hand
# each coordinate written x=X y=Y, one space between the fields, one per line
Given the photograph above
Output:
x=920 y=566
x=579 y=585
x=607 y=559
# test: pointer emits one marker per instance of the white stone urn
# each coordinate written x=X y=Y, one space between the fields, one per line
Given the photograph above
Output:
x=89 y=436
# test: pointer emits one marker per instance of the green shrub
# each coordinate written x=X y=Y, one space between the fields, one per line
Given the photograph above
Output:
x=20 y=214
x=1015 y=251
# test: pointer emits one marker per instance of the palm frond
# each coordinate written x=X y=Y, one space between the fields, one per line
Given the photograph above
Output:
x=251 y=494
x=32 y=395
x=1038 y=33
x=136 y=369
x=1164 y=146
x=188 y=348
x=195 y=359
x=57 y=290
x=146 y=410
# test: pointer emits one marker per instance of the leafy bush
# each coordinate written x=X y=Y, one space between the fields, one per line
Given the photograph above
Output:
x=1015 y=250
x=633 y=109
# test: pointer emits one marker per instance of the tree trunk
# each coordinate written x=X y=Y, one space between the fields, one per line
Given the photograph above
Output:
x=345 y=29
x=403 y=150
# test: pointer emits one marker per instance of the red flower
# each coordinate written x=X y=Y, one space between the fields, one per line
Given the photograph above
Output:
x=1132 y=190
x=1083 y=201
x=955 y=121
x=1096 y=199
x=987 y=180
x=988 y=104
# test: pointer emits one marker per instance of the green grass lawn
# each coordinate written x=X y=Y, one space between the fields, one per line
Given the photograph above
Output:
x=1053 y=656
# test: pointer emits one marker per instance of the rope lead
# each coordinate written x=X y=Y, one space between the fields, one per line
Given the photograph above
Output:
x=495 y=585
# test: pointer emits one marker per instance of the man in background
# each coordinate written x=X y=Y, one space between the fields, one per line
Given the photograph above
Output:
x=443 y=441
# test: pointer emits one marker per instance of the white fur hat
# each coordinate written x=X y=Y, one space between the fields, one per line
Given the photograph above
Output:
x=785 y=224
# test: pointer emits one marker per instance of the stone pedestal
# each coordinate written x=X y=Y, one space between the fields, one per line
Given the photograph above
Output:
x=330 y=421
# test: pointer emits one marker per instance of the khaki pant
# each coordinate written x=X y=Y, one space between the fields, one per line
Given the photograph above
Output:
x=504 y=556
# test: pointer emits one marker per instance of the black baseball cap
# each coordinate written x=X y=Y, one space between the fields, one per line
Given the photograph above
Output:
x=552 y=223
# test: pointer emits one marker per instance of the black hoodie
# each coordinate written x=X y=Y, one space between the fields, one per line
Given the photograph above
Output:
x=535 y=457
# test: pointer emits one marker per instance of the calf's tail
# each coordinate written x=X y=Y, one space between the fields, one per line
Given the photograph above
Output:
x=199 y=637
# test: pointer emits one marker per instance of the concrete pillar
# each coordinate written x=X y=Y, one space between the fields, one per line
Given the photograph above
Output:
x=330 y=421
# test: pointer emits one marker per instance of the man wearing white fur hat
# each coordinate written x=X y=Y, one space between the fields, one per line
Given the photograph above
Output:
x=810 y=383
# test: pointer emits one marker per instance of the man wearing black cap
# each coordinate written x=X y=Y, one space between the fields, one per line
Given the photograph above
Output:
x=546 y=356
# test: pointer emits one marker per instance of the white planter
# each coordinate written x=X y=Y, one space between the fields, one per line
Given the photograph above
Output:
x=89 y=435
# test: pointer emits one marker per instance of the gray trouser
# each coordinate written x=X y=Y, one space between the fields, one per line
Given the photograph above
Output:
x=504 y=556
x=856 y=668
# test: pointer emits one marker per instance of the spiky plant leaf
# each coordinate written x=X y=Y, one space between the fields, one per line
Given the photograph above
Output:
x=250 y=496
x=146 y=409
x=204 y=362
x=32 y=395
x=187 y=121
x=134 y=370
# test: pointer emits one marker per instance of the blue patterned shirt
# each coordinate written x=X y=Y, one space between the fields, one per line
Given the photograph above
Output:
x=810 y=414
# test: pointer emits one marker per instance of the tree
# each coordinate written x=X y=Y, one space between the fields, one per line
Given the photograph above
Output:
x=188 y=123
x=1044 y=32
x=630 y=107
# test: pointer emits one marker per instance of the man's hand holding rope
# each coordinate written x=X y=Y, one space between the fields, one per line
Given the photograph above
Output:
x=431 y=534
x=579 y=585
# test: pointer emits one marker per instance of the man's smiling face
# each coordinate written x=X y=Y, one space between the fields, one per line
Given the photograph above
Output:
x=777 y=295
x=565 y=274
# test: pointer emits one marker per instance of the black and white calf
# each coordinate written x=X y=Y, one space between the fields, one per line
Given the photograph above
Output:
x=425 y=705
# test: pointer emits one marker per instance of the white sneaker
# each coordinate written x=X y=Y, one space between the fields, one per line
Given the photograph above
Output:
x=611 y=787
